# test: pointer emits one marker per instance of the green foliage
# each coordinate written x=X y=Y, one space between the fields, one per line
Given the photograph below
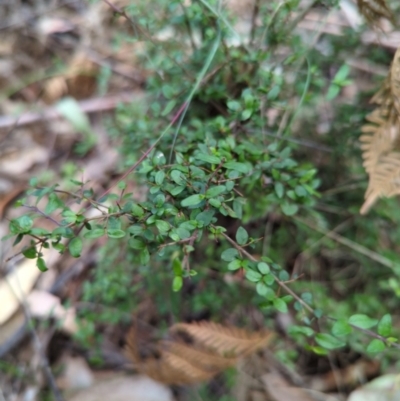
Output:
x=227 y=176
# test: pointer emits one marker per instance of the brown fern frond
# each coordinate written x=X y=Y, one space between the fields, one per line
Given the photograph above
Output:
x=394 y=76
x=380 y=141
x=190 y=370
x=374 y=10
x=195 y=357
x=384 y=181
x=224 y=340
x=208 y=361
x=380 y=145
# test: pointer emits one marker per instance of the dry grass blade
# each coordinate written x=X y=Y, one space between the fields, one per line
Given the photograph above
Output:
x=374 y=10
x=224 y=340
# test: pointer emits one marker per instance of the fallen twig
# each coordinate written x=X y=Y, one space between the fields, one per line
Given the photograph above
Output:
x=93 y=105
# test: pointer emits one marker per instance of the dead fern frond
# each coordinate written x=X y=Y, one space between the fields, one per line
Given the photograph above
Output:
x=193 y=358
x=395 y=80
x=208 y=361
x=384 y=181
x=190 y=370
x=224 y=340
x=380 y=141
x=374 y=10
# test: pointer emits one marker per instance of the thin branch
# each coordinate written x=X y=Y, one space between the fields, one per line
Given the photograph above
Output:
x=254 y=15
x=98 y=104
x=301 y=15
x=148 y=151
x=351 y=244
x=299 y=300
x=279 y=282
x=37 y=210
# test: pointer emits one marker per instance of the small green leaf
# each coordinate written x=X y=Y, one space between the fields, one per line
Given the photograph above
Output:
x=263 y=268
x=121 y=185
x=169 y=106
x=215 y=203
x=269 y=279
x=75 y=247
x=151 y=220
x=279 y=189
x=233 y=105
x=65 y=232
x=192 y=200
x=385 y=325
x=115 y=233
x=241 y=236
x=29 y=253
x=69 y=216
x=333 y=91
x=262 y=289
x=329 y=342
x=253 y=276
x=208 y=158
x=241 y=167
x=174 y=235
x=24 y=222
x=362 y=321
x=341 y=328
x=54 y=203
x=307 y=331
x=376 y=346
x=136 y=243
x=229 y=254
x=144 y=256
x=215 y=191
x=235 y=264
x=289 y=209
x=246 y=114
x=17 y=240
x=176 y=176
x=318 y=350
x=177 y=267
x=176 y=190
x=342 y=73
x=114 y=223
x=137 y=211
x=177 y=283
x=189 y=225
x=95 y=233
x=159 y=178
x=41 y=265
x=280 y=305
x=183 y=233
x=205 y=217
x=162 y=226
